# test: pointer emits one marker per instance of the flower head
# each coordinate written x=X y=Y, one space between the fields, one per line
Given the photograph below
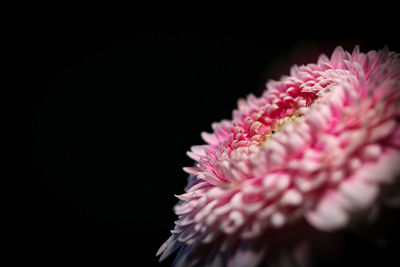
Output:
x=320 y=146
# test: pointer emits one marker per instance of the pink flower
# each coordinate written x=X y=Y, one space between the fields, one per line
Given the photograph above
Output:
x=321 y=147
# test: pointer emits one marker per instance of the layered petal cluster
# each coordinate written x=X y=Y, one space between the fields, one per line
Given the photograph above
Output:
x=321 y=145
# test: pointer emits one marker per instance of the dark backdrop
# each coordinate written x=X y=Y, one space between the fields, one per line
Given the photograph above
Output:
x=107 y=110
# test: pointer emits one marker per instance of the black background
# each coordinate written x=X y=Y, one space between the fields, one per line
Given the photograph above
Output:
x=107 y=109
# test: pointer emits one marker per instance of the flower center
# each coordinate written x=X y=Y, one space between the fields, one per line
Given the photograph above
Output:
x=258 y=119
x=279 y=126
